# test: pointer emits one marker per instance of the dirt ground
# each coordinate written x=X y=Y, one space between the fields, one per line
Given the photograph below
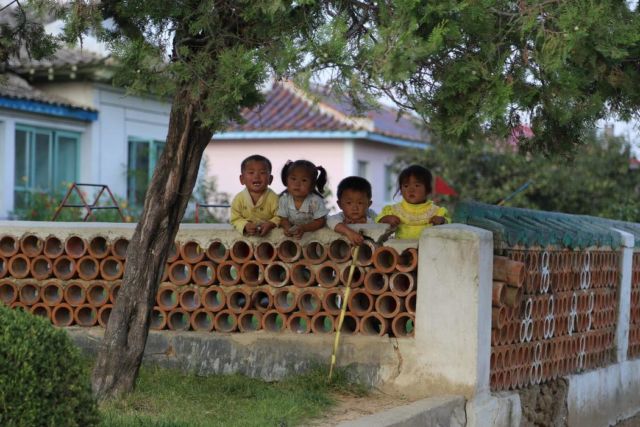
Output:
x=630 y=422
x=353 y=407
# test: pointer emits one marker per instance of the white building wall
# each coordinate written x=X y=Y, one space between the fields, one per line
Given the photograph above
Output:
x=377 y=156
x=224 y=158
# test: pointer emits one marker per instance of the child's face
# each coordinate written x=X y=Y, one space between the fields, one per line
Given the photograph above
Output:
x=354 y=205
x=413 y=191
x=256 y=177
x=299 y=183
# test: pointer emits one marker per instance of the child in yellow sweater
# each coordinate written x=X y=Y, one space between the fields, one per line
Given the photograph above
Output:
x=414 y=212
x=254 y=211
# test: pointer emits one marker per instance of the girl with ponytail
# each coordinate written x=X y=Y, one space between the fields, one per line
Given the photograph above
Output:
x=301 y=206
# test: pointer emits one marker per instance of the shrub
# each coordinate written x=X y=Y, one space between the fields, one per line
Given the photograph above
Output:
x=43 y=379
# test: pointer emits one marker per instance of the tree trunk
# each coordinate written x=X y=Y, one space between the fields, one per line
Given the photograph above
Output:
x=125 y=338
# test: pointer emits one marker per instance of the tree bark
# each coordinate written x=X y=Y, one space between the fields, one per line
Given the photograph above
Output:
x=171 y=186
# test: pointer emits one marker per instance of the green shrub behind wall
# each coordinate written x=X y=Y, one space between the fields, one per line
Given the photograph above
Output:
x=43 y=380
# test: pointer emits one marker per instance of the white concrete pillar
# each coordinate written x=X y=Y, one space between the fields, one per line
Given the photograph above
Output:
x=624 y=295
x=7 y=165
x=453 y=313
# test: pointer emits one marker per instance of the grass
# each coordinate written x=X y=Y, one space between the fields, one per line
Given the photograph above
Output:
x=166 y=398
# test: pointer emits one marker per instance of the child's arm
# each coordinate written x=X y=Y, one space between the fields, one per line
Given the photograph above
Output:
x=265 y=227
x=286 y=225
x=353 y=236
x=314 y=225
x=387 y=217
x=441 y=217
x=236 y=219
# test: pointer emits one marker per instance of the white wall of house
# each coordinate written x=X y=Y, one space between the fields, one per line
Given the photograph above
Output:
x=224 y=158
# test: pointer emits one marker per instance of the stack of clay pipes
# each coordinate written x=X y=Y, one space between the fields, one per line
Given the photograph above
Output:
x=508 y=281
x=243 y=287
x=565 y=319
x=634 y=327
x=70 y=281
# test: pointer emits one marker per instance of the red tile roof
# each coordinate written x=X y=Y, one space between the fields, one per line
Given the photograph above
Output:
x=287 y=108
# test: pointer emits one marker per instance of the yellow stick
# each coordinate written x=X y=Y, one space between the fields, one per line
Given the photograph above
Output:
x=343 y=309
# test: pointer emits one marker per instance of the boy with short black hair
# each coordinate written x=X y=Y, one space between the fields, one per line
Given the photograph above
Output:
x=354 y=198
x=254 y=211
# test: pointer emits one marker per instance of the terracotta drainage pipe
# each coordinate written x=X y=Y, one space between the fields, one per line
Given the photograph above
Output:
x=16 y=305
x=167 y=297
x=179 y=273
x=277 y=274
x=497 y=293
x=323 y=323
x=402 y=284
x=53 y=247
x=252 y=273
x=299 y=323
x=174 y=252
x=8 y=292
x=507 y=270
x=512 y=296
x=241 y=251
x=75 y=294
x=75 y=246
x=261 y=299
x=360 y=302
x=403 y=325
x=340 y=250
x=289 y=251
x=310 y=301
x=388 y=305
x=8 y=246
x=373 y=324
x=285 y=300
x=88 y=268
x=190 y=299
x=3 y=267
x=213 y=298
x=385 y=259
x=332 y=301
x=358 y=275
x=85 y=315
x=365 y=254
x=119 y=248
x=217 y=251
x=158 y=319
x=64 y=267
x=19 y=266
x=111 y=268
x=498 y=317
x=410 y=302
x=238 y=300
x=41 y=267
x=62 y=315
x=376 y=282
x=350 y=324
x=52 y=293
x=328 y=274
x=31 y=245
x=302 y=275
x=191 y=252
x=250 y=321
x=202 y=320
x=29 y=293
x=228 y=273
x=265 y=252
x=97 y=293
x=113 y=291
x=104 y=313
x=226 y=321
x=315 y=252
x=41 y=309
x=274 y=321
x=98 y=247
x=204 y=273
x=178 y=320
x=407 y=260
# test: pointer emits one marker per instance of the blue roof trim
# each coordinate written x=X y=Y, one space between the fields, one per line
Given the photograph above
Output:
x=48 y=109
x=224 y=136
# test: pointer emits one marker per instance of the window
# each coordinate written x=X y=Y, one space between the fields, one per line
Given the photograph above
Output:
x=363 y=169
x=389 y=183
x=143 y=156
x=45 y=159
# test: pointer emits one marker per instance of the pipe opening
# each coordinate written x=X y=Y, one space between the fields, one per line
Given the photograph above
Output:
x=365 y=254
x=328 y=276
x=225 y=322
x=315 y=252
x=97 y=294
x=203 y=321
x=62 y=316
x=178 y=321
x=53 y=247
x=8 y=293
x=285 y=300
x=192 y=252
x=41 y=267
x=249 y=321
x=189 y=299
x=403 y=326
x=103 y=315
x=261 y=300
x=168 y=298
x=88 y=268
x=29 y=293
x=241 y=250
x=8 y=246
x=289 y=251
x=332 y=302
x=376 y=282
x=410 y=302
x=228 y=273
x=401 y=283
x=113 y=293
x=158 y=319
x=75 y=294
x=265 y=252
x=386 y=305
x=180 y=272
x=323 y=324
x=99 y=247
x=339 y=250
x=52 y=294
x=31 y=245
x=204 y=274
x=217 y=251
x=41 y=310
x=299 y=324
x=238 y=301
x=75 y=246
x=277 y=274
x=252 y=273
x=213 y=299
x=309 y=303
x=349 y=324
x=86 y=316
x=361 y=302
x=371 y=325
x=274 y=321
x=301 y=275
x=120 y=247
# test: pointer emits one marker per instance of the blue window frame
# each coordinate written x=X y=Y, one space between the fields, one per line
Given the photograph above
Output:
x=143 y=157
x=45 y=160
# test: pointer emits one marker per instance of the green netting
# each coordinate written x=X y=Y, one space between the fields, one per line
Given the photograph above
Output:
x=513 y=226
